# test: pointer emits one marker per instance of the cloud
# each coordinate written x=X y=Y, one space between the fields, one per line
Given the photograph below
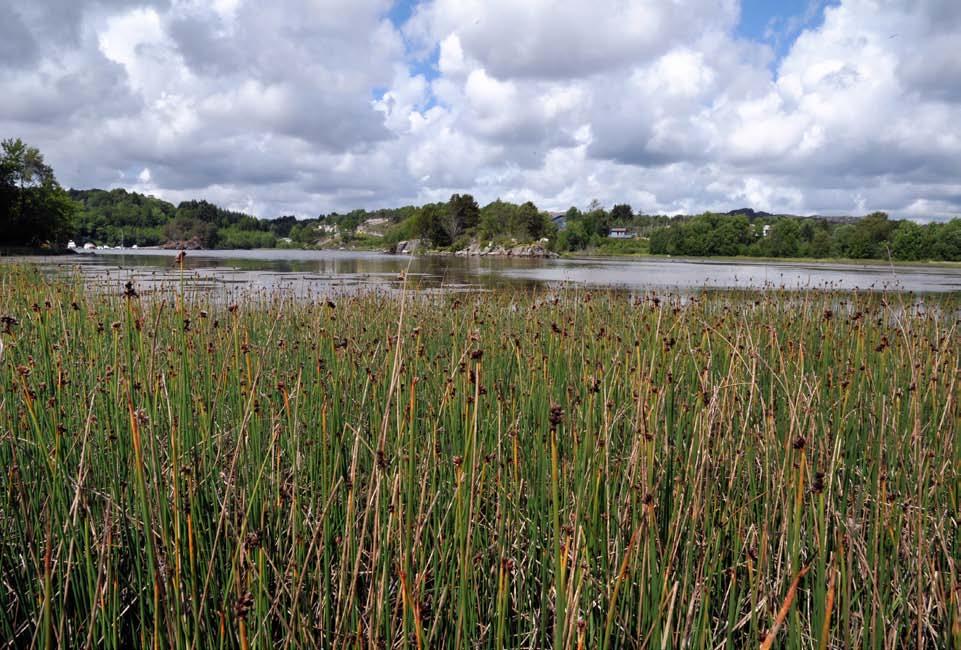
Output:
x=546 y=39
x=308 y=106
x=17 y=45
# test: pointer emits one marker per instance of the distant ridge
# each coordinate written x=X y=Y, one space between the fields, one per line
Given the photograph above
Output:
x=760 y=214
x=752 y=214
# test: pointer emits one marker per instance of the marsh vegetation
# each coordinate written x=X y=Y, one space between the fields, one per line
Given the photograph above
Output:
x=501 y=469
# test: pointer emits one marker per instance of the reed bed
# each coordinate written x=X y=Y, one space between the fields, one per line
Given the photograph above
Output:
x=497 y=470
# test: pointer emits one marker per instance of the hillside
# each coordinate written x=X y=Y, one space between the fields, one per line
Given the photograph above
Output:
x=118 y=217
x=115 y=217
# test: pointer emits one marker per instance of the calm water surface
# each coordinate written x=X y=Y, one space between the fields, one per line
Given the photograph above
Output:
x=325 y=272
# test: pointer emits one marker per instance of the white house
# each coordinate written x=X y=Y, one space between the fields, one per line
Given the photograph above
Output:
x=621 y=233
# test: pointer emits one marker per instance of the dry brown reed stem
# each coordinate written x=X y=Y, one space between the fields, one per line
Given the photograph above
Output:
x=828 y=610
x=768 y=641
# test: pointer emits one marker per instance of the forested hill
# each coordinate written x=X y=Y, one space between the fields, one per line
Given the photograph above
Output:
x=106 y=216
x=118 y=217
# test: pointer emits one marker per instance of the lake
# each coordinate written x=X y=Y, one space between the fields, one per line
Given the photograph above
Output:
x=324 y=272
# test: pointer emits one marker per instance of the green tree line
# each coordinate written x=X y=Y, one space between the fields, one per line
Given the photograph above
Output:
x=874 y=236
x=35 y=211
x=451 y=224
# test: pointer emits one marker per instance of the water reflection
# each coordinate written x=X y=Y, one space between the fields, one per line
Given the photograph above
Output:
x=319 y=272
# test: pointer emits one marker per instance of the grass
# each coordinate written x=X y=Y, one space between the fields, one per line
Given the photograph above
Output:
x=489 y=470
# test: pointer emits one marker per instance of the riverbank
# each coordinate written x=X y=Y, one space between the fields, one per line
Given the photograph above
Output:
x=27 y=251
x=746 y=259
x=531 y=250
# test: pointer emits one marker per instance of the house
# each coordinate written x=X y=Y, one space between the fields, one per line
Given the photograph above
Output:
x=621 y=233
x=766 y=230
x=559 y=220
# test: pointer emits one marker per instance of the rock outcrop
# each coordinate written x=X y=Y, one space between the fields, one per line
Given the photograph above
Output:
x=521 y=250
x=406 y=247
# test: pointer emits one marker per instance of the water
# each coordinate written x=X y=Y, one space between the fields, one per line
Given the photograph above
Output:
x=326 y=272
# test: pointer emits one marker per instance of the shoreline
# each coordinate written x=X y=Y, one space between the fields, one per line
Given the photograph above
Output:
x=747 y=259
x=19 y=251
x=27 y=251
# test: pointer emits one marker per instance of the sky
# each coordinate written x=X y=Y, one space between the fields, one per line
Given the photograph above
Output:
x=673 y=106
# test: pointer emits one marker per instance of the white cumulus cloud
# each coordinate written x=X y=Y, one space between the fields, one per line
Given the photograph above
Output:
x=305 y=106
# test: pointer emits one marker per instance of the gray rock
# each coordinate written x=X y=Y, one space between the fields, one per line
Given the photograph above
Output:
x=406 y=247
x=521 y=250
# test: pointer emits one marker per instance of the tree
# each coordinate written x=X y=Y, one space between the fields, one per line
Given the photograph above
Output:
x=495 y=219
x=303 y=233
x=531 y=221
x=622 y=214
x=34 y=209
x=184 y=228
x=907 y=242
x=283 y=226
x=573 y=237
x=874 y=231
x=8 y=184
x=596 y=220
x=866 y=239
x=429 y=224
x=731 y=236
x=462 y=215
x=661 y=241
x=944 y=240
x=820 y=245
x=784 y=239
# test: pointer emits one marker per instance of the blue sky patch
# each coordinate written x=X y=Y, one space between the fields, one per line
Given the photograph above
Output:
x=401 y=11
x=778 y=23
